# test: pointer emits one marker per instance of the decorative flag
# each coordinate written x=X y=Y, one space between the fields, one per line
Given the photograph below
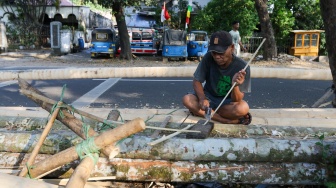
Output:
x=164 y=13
x=189 y=9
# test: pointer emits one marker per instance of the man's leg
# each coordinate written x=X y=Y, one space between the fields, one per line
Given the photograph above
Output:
x=191 y=102
x=228 y=113
x=231 y=113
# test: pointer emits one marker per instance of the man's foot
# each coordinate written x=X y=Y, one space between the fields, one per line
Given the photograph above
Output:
x=246 y=120
x=191 y=113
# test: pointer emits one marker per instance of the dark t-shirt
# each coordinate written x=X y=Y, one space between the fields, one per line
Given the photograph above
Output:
x=219 y=81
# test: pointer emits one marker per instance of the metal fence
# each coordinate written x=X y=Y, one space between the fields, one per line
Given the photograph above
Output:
x=252 y=43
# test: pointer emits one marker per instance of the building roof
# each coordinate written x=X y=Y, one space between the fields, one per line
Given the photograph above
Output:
x=307 y=31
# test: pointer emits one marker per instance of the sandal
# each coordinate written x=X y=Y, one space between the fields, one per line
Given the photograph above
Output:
x=246 y=120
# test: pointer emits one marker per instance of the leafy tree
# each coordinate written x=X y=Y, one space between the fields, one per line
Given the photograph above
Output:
x=26 y=17
x=117 y=7
x=307 y=14
x=328 y=8
x=219 y=14
x=282 y=20
x=288 y=15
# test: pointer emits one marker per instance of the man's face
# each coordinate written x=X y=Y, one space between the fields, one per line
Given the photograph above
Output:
x=236 y=26
x=223 y=58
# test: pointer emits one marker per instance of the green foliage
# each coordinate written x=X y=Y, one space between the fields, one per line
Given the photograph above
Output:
x=307 y=14
x=288 y=15
x=103 y=4
x=330 y=184
x=218 y=15
x=282 y=19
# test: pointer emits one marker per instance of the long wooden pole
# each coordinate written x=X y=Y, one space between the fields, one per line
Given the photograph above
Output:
x=68 y=120
x=40 y=141
x=71 y=108
x=109 y=137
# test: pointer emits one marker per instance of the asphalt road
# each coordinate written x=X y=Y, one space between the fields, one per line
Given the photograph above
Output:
x=161 y=92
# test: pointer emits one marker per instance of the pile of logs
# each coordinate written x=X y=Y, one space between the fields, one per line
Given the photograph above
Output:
x=104 y=142
x=289 y=146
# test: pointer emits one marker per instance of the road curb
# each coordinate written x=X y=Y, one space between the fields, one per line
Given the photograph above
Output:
x=26 y=54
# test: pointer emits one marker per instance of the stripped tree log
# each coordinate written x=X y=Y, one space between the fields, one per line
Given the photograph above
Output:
x=24 y=142
x=81 y=174
x=69 y=120
x=106 y=138
x=211 y=149
x=34 y=95
x=203 y=171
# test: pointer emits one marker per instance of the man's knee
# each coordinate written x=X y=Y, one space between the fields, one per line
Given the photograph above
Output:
x=187 y=100
x=240 y=108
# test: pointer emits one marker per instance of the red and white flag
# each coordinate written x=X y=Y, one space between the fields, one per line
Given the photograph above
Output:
x=164 y=13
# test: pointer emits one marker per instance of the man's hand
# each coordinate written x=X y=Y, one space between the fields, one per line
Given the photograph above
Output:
x=204 y=104
x=239 y=77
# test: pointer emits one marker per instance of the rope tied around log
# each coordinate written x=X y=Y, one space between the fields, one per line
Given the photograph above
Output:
x=28 y=169
x=56 y=105
x=88 y=148
x=110 y=125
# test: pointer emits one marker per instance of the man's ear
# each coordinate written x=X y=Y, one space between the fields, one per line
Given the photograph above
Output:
x=232 y=47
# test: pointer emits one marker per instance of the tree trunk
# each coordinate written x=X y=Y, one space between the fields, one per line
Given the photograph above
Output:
x=270 y=49
x=328 y=8
x=205 y=171
x=122 y=31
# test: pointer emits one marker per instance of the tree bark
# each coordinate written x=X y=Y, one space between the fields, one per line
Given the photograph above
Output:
x=204 y=171
x=328 y=12
x=270 y=49
x=122 y=31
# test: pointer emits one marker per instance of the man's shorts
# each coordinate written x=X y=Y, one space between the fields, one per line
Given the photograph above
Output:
x=215 y=101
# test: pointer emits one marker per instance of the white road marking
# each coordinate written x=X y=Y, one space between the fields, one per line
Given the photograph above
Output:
x=7 y=83
x=142 y=80
x=92 y=95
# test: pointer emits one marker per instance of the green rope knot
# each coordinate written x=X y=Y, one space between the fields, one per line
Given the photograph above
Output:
x=88 y=148
x=59 y=106
x=28 y=169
